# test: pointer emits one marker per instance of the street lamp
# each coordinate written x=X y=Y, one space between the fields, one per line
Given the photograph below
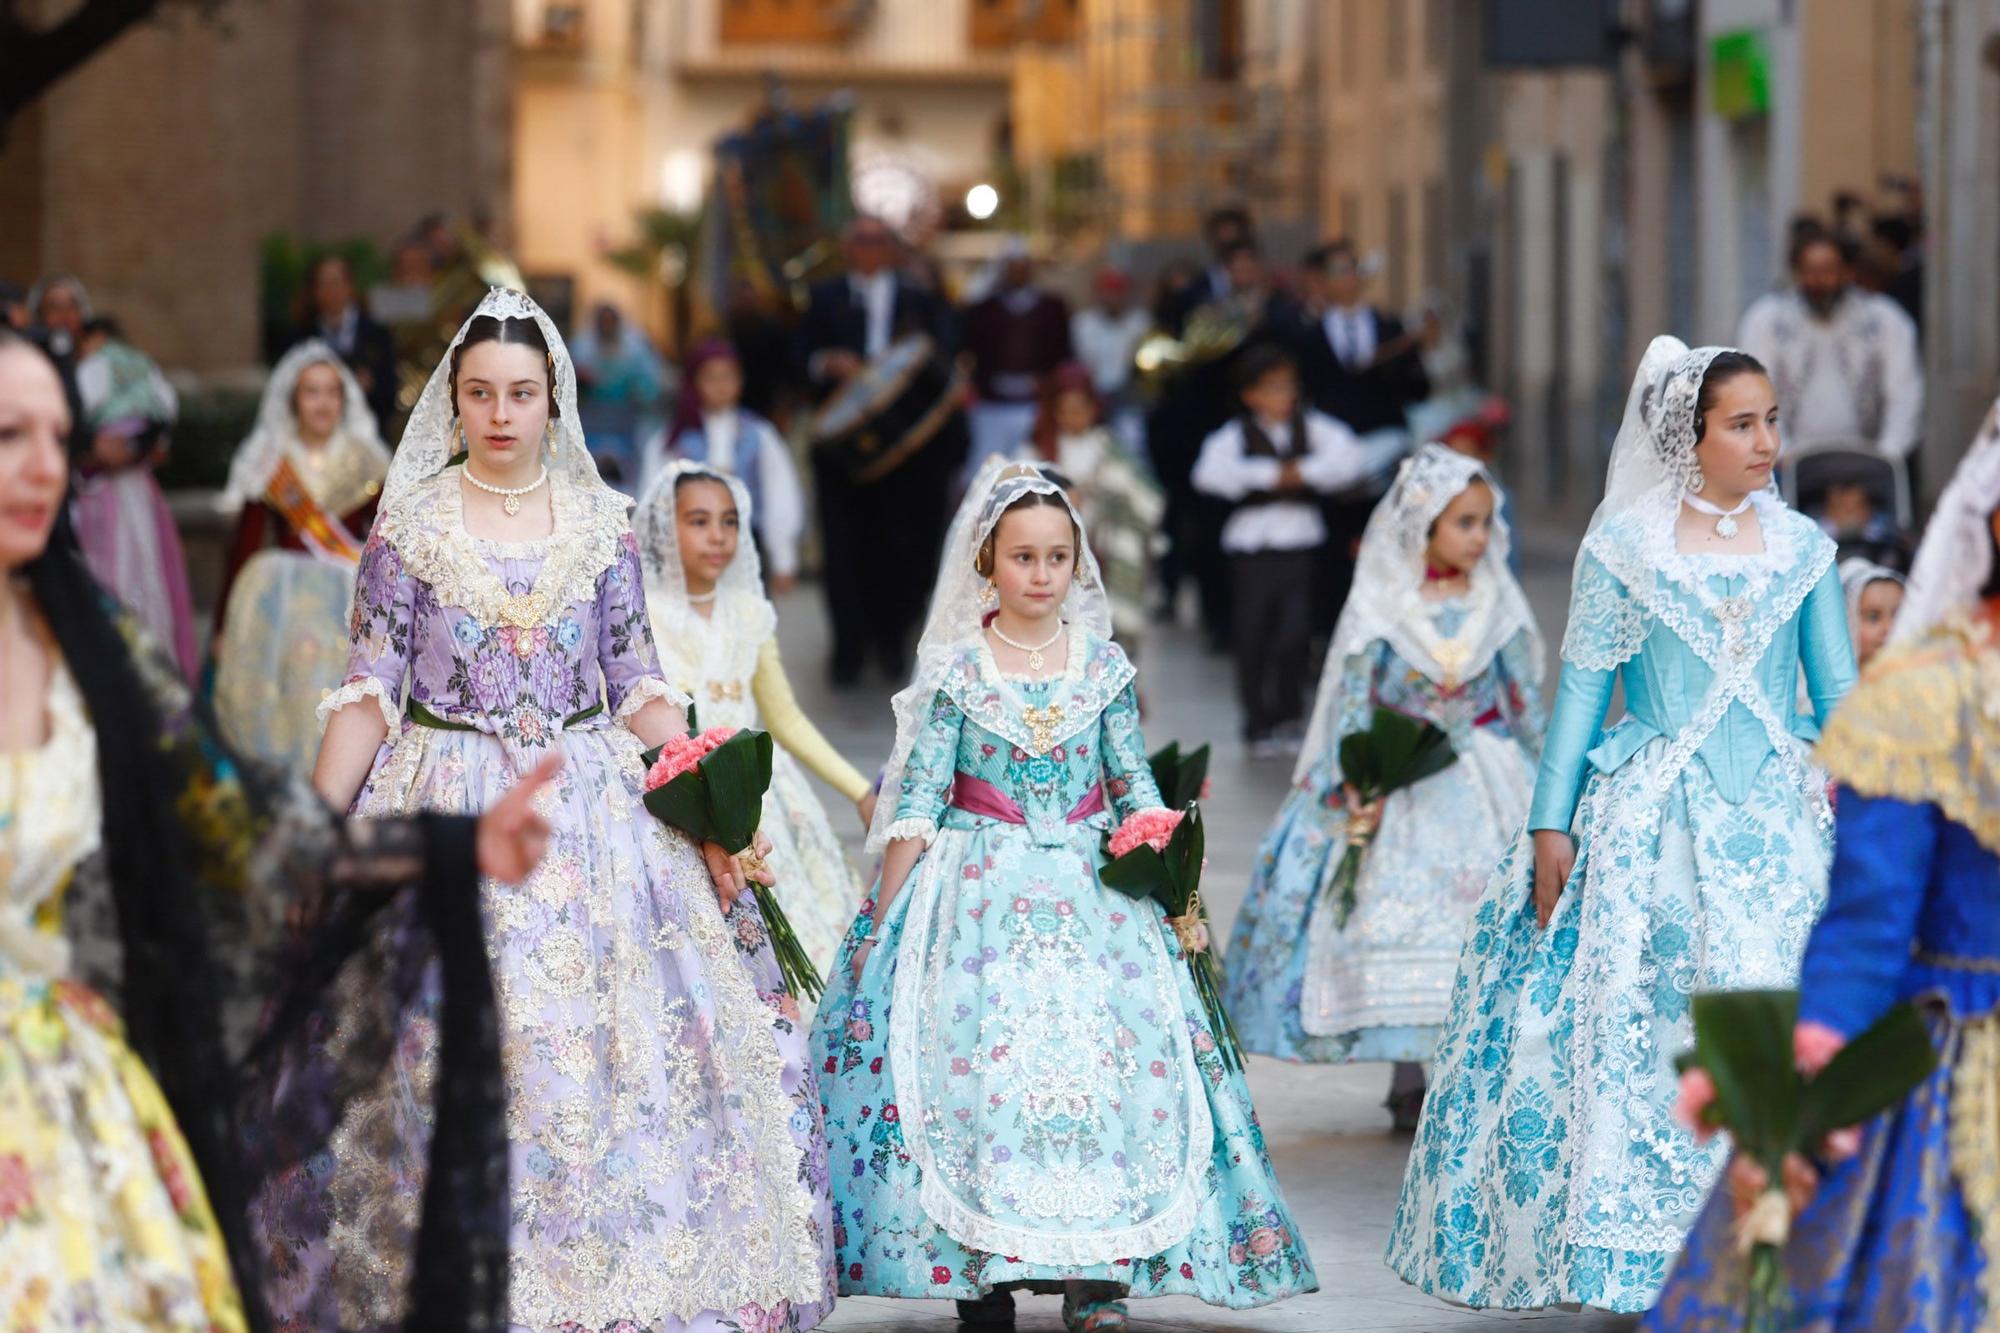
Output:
x=982 y=202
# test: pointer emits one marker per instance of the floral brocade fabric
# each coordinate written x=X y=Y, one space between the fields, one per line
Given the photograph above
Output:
x=664 y=1150
x=1022 y=1087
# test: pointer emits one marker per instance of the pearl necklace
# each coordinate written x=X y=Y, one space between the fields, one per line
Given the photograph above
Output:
x=1725 y=519
x=1034 y=651
x=703 y=598
x=510 y=500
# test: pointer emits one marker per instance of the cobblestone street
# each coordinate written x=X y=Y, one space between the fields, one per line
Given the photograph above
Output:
x=1340 y=1164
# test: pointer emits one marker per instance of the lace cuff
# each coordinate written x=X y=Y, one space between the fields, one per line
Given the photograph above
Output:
x=353 y=692
x=911 y=826
x=644 y=691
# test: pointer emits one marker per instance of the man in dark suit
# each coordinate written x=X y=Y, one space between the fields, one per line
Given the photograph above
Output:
x=1358 y=364
x=881 y=539
x=334 y=315
x=1226 y=230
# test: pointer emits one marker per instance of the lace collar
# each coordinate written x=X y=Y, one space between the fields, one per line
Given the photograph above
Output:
x=428 y=531
x=1639 y=545
x=341 y=475
x=1096 y=672
x=718 y=648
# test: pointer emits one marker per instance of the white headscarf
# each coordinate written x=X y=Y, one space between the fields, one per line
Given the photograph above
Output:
x=957 y=613
x=1955 y=558
x=1856 y=577
x=1387 y=601
x=431 y=437
x=740 y=604
x=276 y=434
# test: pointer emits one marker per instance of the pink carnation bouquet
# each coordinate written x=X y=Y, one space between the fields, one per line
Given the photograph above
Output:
x=1158 y=854
x=710 y=785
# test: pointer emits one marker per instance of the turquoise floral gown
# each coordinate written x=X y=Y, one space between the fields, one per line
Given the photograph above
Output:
x=1300 y=988
x=1023 y=1087
x=1548 y=1168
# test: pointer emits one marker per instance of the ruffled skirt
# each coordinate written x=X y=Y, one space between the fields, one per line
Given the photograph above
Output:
x=1548 y=1168
x=1299 y=986
x=664 y=1148
x=284 y=645
x=1889 y=1241
x=1036 y=1038
x=104 y=1224
x=816 y=884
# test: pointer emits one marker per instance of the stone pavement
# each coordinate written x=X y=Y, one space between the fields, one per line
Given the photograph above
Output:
x=1340 y=1164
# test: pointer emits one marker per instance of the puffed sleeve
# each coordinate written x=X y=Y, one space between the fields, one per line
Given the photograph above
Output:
x=791 y=728
x=625 y=650
x=1882 y=855
x=1582 y=695
x=1128 y=771
x=379 y=633
x=1825 y=647
x=925 y=788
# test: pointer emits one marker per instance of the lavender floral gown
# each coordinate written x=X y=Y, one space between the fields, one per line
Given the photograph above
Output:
x=667 y=1164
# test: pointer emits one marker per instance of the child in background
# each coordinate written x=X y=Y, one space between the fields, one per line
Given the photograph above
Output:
x=1874 y=596
x=712 y=427
x=1120 y=503
x=1275 y=462
x=1435 y=628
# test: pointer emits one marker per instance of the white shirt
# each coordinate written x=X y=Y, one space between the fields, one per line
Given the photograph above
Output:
x=1105 y=344
x=1854 y=376
x=1334 y=459
x=877 y=294
x=1350 y=330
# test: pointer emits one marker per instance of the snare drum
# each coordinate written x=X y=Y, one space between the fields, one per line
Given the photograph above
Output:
x=896 y=405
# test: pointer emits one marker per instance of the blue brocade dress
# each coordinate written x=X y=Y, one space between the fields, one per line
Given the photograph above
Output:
x=1906 y=1234
x=1301 y=989
x=1023 y=1087
x=1547 y=1168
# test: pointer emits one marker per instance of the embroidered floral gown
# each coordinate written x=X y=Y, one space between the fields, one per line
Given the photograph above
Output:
x=1023 y=1087
x=1300 y=987
x=729 y=663
x=664 y=1150
x=1906 y=1233
x=1548 y=1168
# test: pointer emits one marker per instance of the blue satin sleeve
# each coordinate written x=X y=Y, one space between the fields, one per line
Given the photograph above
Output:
x=1825 y=646
x=1582 y=695
x=1882 y=856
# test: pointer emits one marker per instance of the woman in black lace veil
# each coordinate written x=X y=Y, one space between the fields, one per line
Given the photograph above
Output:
x=155 y=897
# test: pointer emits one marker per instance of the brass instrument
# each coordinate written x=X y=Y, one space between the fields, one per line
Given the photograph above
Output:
x=1213 y=331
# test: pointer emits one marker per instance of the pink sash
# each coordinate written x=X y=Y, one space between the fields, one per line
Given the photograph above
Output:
x=979 y=797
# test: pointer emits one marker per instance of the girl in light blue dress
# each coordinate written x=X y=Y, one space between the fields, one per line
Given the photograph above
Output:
x=1684 y=849
x=1020 y=1084
x=1436 y=628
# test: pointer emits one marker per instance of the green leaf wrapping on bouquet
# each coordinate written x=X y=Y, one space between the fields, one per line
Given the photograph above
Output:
x=1869 y=1074
x=738 y=773
x=1392 y=752
x=1744 y=1040
x=1179 y=776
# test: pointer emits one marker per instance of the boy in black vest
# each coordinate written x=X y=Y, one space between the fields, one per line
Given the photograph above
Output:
x=1273 y=463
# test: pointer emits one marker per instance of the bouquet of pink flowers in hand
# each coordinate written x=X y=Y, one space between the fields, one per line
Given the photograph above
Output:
x=710 y=785
x=1158 y=854
x=1783 y=1090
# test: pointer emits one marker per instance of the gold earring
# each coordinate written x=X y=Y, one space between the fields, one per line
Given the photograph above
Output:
x=458 y=440
x=990 y=594
x=549 y=438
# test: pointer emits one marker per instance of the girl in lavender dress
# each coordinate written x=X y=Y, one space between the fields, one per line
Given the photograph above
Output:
x=665 y=1153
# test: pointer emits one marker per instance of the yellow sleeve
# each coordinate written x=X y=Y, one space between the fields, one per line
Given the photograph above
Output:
x=792 y=729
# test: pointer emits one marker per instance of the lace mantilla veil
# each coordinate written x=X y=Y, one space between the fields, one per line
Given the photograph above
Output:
x=431 y=437
x=276 y=433
x=957 y=614
x=1387 y=598
x=1955 y=558
x=740 y=589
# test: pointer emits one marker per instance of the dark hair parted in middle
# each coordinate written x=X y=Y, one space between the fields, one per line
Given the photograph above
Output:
x=983 y=562
x=1259 y=360
x=1726 y=367
x=514 y=329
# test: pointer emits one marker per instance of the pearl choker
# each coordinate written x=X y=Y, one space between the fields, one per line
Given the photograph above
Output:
x=1725 y=519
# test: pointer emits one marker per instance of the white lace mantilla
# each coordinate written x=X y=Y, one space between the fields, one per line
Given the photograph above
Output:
x=714 y=657
x=428 y=532
x=1096 y=673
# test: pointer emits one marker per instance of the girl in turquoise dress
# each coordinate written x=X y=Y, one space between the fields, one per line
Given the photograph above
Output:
x=1020 y=1086
x=1683 y=849
x=1436 y=628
